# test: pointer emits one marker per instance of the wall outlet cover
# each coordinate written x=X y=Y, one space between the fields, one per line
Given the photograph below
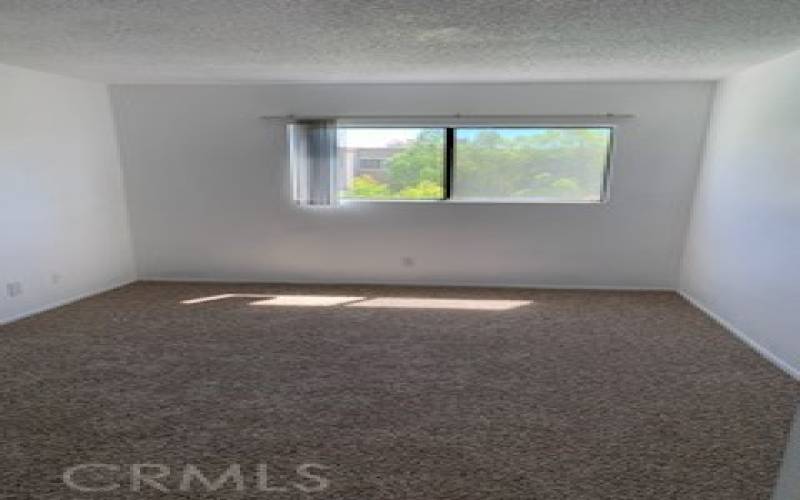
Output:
x=14 y=288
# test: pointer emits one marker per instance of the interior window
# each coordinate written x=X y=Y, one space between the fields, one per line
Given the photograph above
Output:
x=477 y=164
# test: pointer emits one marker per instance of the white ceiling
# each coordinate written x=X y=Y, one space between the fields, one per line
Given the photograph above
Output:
x=399 y=40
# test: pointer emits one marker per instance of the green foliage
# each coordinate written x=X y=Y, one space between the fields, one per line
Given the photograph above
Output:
x=555 y=164
x=419 y=164
x=365 y=186
x=425 y=190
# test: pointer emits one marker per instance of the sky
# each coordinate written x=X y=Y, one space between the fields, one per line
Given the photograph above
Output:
x=375 y=138
x=382 y=137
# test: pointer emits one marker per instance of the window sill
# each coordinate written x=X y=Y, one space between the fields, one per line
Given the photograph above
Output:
x=475 y=202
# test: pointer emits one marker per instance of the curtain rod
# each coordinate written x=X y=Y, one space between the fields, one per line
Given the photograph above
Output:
x=444 y=117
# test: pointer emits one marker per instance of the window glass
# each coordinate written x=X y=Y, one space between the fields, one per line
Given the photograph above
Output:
x=531 y=164
x=391 y=163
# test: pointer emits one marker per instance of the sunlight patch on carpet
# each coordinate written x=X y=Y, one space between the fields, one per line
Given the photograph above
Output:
x=364 y=302
x=425 y=303
x=305 y=300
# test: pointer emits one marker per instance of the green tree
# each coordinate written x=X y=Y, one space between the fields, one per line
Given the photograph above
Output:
x=421 y=162
x=365 y=186
x=425 y=190
x=554 y=163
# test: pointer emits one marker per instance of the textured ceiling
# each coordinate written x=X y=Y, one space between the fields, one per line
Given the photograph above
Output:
x=399 y=40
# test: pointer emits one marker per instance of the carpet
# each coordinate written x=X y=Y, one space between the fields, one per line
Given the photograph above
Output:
x=176 y=390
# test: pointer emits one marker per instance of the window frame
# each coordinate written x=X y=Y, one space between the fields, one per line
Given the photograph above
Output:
x=445 y=168
x=449 y=163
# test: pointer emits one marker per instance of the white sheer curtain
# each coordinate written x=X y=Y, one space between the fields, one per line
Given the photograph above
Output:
x=313 y=162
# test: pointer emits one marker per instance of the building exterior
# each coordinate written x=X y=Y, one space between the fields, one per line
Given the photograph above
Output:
x=365 y=161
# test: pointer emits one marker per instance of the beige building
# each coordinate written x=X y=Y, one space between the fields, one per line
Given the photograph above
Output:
x=364 y=161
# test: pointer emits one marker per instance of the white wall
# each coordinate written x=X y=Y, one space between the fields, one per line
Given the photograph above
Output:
x=208 y=192
x=63 y=223
x=742 y=259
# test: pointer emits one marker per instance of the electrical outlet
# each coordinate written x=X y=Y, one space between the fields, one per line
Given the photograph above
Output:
x=55 y=278
x=408 y=262
x=14 y=288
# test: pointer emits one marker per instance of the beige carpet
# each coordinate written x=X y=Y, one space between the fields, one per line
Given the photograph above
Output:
x=514 y=394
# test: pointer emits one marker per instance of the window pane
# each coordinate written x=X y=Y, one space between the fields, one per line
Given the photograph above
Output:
x=391 y=163
x=531 y=164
